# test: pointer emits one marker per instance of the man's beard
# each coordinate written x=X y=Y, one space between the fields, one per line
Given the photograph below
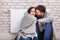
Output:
x=38 y=17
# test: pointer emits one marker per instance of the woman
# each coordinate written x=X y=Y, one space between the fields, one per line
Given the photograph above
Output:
x=28 y=26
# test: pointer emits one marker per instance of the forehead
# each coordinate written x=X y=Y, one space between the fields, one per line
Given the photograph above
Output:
x=37 y=11
x=33 y=9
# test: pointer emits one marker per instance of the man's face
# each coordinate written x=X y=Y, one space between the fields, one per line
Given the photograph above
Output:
x=38 y=13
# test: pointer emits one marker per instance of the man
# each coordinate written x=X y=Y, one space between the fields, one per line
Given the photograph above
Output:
x=44 y=25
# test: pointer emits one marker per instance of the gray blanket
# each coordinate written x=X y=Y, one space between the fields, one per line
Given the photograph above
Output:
x=28 y=26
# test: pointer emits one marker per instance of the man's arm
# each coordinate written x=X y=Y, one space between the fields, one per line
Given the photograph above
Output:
x=46 y=20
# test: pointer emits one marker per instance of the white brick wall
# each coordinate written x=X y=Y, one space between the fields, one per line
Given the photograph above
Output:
x=52 y=5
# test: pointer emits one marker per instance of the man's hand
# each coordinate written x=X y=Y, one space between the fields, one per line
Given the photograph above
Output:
x=40 y=26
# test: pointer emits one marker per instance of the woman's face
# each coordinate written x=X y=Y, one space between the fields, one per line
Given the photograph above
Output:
x=32 y=11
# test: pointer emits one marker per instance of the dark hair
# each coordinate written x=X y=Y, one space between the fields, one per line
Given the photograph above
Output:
x=41 y=8
x=30 y=9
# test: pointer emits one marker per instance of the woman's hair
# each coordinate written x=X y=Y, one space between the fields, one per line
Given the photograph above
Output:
x=29 y=10
x=41 y=8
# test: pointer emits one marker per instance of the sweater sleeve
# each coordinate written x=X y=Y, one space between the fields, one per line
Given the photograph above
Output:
x=46 y=20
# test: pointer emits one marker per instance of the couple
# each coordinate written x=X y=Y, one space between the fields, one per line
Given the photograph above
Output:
x=33 y=25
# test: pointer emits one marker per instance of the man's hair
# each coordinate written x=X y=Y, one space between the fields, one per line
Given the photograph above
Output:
x=30 y=9
x=41 y=8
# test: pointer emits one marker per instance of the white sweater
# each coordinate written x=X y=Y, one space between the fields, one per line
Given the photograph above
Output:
x=47 y=19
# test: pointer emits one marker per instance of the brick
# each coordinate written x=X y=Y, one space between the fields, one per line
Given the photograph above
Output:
x=57 y=20
x=40 y=3
x=51 y=0
x=6 y=23
x=18 y=0
x=16 y=4
x=57 y=9
x=6 y=0
x=4 y=19
x=12 y=7
x=3 y=28
x=57 y=25
x=44 y=0
x=5 y=4
x=56 y=4
x=56 y=17
x=30 y=4
x=15 y=0
x=30 y=0
x=58 y=1
x=5 y=7
x=1 y=23
x=1 y=4
x=26 y=7
x=52 y=11
x=23 y=1
x=38 y=0
x=3 y=10
x=20 y=7
x=50 y=3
